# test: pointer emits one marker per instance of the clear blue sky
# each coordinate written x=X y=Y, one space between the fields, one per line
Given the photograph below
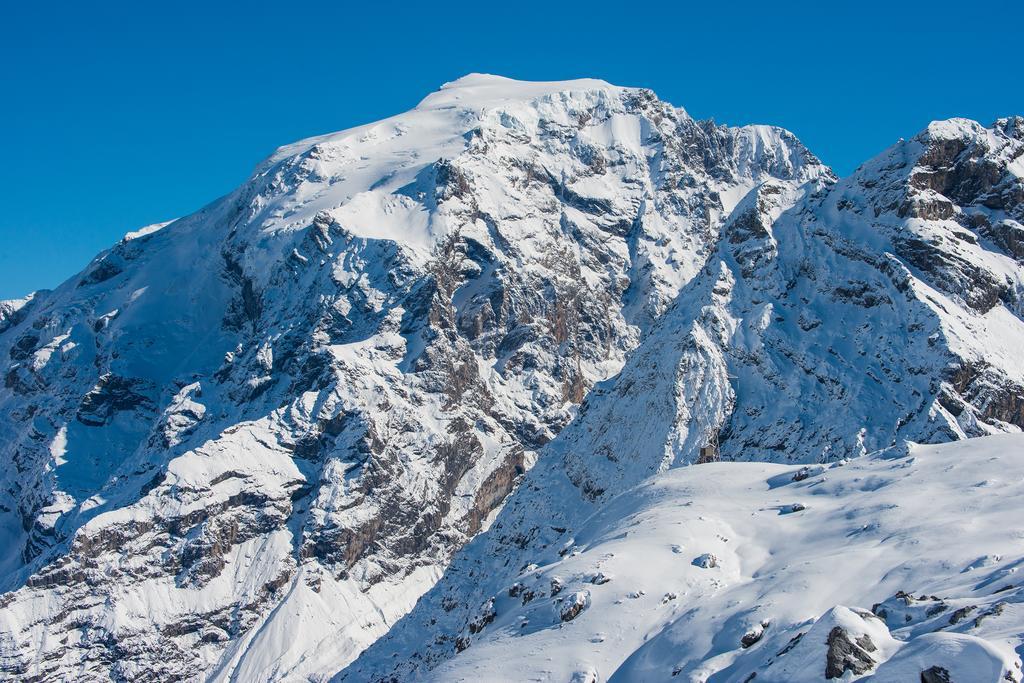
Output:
x=115 y=114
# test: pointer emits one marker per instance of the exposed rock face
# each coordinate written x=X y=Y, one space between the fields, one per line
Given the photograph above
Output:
x=754 y=636
x=573 y=605
x=846 y=654
x=293 y=406
x=935 y=674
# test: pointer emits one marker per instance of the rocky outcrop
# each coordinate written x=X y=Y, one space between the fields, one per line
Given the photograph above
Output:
x=845 y=654
x=573 y=605
x=935 y=674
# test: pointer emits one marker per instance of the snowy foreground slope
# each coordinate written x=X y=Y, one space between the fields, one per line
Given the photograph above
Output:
x=243 y=444
x=882 y=567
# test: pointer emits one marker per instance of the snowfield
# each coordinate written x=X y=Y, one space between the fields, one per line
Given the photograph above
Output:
x=917 y=549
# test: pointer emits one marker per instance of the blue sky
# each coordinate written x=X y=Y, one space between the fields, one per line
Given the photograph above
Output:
x=115 y=115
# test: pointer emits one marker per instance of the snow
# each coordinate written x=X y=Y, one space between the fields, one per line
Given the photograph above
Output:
x=378 y=215
x=146 y=230
x=878 y=525
x=954 y=129
x=486 y=90
x=330 y=623
x=9 y=307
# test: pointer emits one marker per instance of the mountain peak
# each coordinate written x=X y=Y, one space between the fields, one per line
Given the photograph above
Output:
x=483 y=90
x=953 y=129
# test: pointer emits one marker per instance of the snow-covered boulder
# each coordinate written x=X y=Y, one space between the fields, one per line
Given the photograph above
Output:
x=705 y=561
x=573 y=605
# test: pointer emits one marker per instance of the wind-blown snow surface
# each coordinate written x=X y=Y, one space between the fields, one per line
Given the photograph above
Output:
x=722 y=571
x=241 y=445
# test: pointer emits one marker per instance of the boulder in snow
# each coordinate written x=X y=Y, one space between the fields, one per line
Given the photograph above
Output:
x=705 y=561
x=573 y=605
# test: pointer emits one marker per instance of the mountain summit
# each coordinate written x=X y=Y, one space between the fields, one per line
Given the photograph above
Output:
x=242 y=445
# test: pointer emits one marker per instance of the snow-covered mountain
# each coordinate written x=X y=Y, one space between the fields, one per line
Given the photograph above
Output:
x=241 y=445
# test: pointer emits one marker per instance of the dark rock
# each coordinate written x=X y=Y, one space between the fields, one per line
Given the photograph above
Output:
x=846 y=655
x=754 y=635
x=958 y=616
x=113 y=394
x=486 y=615
x=705 y=561
x=574 y=605
x=994 y=611
x=107 y=268
x=24 y=347
x=793 y=642
x=935 y=674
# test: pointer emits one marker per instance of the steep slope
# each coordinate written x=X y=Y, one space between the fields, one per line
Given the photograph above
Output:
x=240 y=445
x=733 y=572
x=833 y=320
